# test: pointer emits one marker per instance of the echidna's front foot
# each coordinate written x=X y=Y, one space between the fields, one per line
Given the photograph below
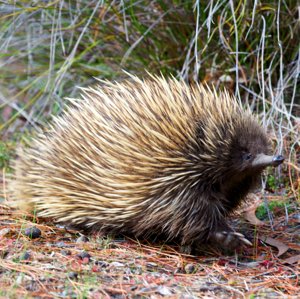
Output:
x=229 y=240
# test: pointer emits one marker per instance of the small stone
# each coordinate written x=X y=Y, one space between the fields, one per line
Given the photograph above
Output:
x=32 y=232
x=25 y=256
x=66 y=252
x=82 y=239
x=189 y=268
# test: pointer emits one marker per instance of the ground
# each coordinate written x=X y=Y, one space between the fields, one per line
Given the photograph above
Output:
x=53 y=261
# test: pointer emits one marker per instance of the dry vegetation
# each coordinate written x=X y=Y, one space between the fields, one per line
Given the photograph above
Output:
x=250 y=47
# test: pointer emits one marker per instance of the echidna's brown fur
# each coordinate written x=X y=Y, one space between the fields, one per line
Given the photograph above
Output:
x=147 y=157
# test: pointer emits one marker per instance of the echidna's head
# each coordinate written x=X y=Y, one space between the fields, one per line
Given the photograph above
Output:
x=236 y=150
x=249 y=148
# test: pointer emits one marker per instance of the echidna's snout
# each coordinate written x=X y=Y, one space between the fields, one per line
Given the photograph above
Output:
x=277 y=160
x=263 y=161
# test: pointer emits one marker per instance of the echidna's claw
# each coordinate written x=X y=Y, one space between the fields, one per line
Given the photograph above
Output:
x=245 y=241
x=238 y=234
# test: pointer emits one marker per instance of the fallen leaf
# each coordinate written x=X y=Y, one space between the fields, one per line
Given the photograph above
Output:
x=251 y=217
x=292 y=259
x=282 y=248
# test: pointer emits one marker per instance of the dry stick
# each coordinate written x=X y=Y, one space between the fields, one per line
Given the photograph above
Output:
x=227 y=44
x=237 y=91
x=262 y=69
x=197 y=4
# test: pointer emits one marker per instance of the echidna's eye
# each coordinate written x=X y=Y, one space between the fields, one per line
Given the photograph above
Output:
x=247 y=158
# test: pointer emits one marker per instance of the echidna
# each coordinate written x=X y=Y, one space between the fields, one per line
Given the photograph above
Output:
x=146 y=157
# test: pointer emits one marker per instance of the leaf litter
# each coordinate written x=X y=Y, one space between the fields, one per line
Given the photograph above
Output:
x=59 y=262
